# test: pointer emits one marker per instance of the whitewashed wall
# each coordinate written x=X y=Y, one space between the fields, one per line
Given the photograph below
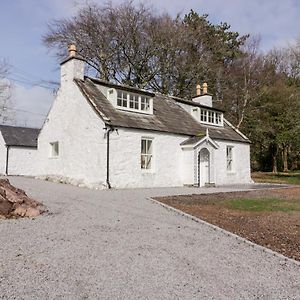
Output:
x=79 y=130
x=241 y=163
x=23 y=161
x=125 y=160
x=82 y=148
x=2 y=155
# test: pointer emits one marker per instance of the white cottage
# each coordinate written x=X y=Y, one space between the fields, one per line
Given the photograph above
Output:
x=18 y=150
x=104 y=135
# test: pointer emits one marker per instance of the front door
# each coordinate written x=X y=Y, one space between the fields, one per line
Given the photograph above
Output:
x=203 y=173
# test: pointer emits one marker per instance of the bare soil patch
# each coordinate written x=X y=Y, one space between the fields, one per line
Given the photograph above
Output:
x=270 y=218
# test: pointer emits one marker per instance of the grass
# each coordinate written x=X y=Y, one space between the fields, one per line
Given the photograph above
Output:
x=288 y=178
x=262 y=205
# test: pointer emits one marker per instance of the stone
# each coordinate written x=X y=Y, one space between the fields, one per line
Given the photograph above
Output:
x=32 y=212
x=20 y=211
x=6 y=207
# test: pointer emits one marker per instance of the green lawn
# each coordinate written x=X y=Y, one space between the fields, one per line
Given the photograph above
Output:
x=288 y=178
x=262 y=205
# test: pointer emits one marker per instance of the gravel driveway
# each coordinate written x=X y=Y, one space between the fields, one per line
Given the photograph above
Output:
x=119 y=245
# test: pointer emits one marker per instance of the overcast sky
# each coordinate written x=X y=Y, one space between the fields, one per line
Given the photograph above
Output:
x=23 y=22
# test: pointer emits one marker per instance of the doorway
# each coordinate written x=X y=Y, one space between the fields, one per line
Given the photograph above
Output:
x=203 y=167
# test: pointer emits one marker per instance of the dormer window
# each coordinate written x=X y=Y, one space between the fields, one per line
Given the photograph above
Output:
x=207 y=116
x=131 y=101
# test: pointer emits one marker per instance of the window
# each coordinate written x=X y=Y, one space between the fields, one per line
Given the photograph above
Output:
x=54 y=149
x=132 y=101
x=146 y=154
x=218 y=118
x=229 y=157
x=210 y=117
x=203 y=115
x=122 y=99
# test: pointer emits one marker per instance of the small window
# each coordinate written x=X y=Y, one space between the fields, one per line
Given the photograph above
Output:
x=211 y=117
x=146 y=154
x=54 y=149
x=145 y=103
x=218 y=118
x=203 y=115
x=122 y=99
x=229 y=158
x=133 y=101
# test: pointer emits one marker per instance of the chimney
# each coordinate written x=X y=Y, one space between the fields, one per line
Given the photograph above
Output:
x=72 y=67
x=204 y=88
x=72 y=50
x=198 y=90
x=204 y=99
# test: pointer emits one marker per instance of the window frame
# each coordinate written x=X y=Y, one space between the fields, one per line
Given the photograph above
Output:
x=146 y=155
x=211 y=117
x=229 y=159
x=54 y=149
x=134 y=102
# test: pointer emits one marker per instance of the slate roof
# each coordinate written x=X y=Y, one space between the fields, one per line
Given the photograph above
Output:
x=20 y=136
x=168 y=115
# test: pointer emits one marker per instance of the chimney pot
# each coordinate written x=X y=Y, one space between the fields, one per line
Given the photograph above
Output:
x=204 y=88
x=198 y=90
x=72 y=50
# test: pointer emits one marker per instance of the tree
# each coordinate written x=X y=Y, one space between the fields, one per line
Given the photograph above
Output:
x=135 y=46
x=6 y=115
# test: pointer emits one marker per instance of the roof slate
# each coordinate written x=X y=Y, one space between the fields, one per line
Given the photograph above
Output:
x=20 y=136
x=168 y=115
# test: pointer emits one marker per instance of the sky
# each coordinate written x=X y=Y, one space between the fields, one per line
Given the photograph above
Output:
x=24 y=22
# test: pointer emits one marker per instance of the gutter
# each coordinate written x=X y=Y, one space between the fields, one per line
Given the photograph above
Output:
x=6 y=163
x=109 y=130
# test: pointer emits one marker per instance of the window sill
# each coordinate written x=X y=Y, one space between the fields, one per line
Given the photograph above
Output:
x=231 y=173
x=145 y=171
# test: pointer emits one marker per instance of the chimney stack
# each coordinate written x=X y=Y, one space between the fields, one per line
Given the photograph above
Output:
x=72 y=50
x=203 y=98
x=72 y=67
x=198 y=90
x=204 y=88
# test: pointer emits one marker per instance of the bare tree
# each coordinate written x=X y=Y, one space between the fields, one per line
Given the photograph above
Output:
x=132 y=44
x=6 y=113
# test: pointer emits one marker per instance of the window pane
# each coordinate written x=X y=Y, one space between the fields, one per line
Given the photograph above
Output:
x=148 y=162
x=149 y=146
x=229 y=158
x=144 y=147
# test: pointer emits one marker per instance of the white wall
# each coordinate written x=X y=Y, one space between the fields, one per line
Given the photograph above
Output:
x=125 y=159
x=241 y=163
x=2 y=155
x=79 y=130
x=23 y=161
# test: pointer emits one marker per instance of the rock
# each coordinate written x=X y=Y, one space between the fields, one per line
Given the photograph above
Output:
x=20 y=211
x=2 y=192
x=15 y=203
x=32 y=212
x=6 y=207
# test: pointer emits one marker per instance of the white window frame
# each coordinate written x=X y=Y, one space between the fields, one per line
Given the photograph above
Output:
x=141 y=103
x=54 y=149
x=148 y=156
x=229 y=158
x=211 y=117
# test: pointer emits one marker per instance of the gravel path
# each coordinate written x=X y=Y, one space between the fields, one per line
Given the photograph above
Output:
x=119 y=245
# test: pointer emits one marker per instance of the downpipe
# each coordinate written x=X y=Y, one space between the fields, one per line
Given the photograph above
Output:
x=6 y=163
x=108 y=132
